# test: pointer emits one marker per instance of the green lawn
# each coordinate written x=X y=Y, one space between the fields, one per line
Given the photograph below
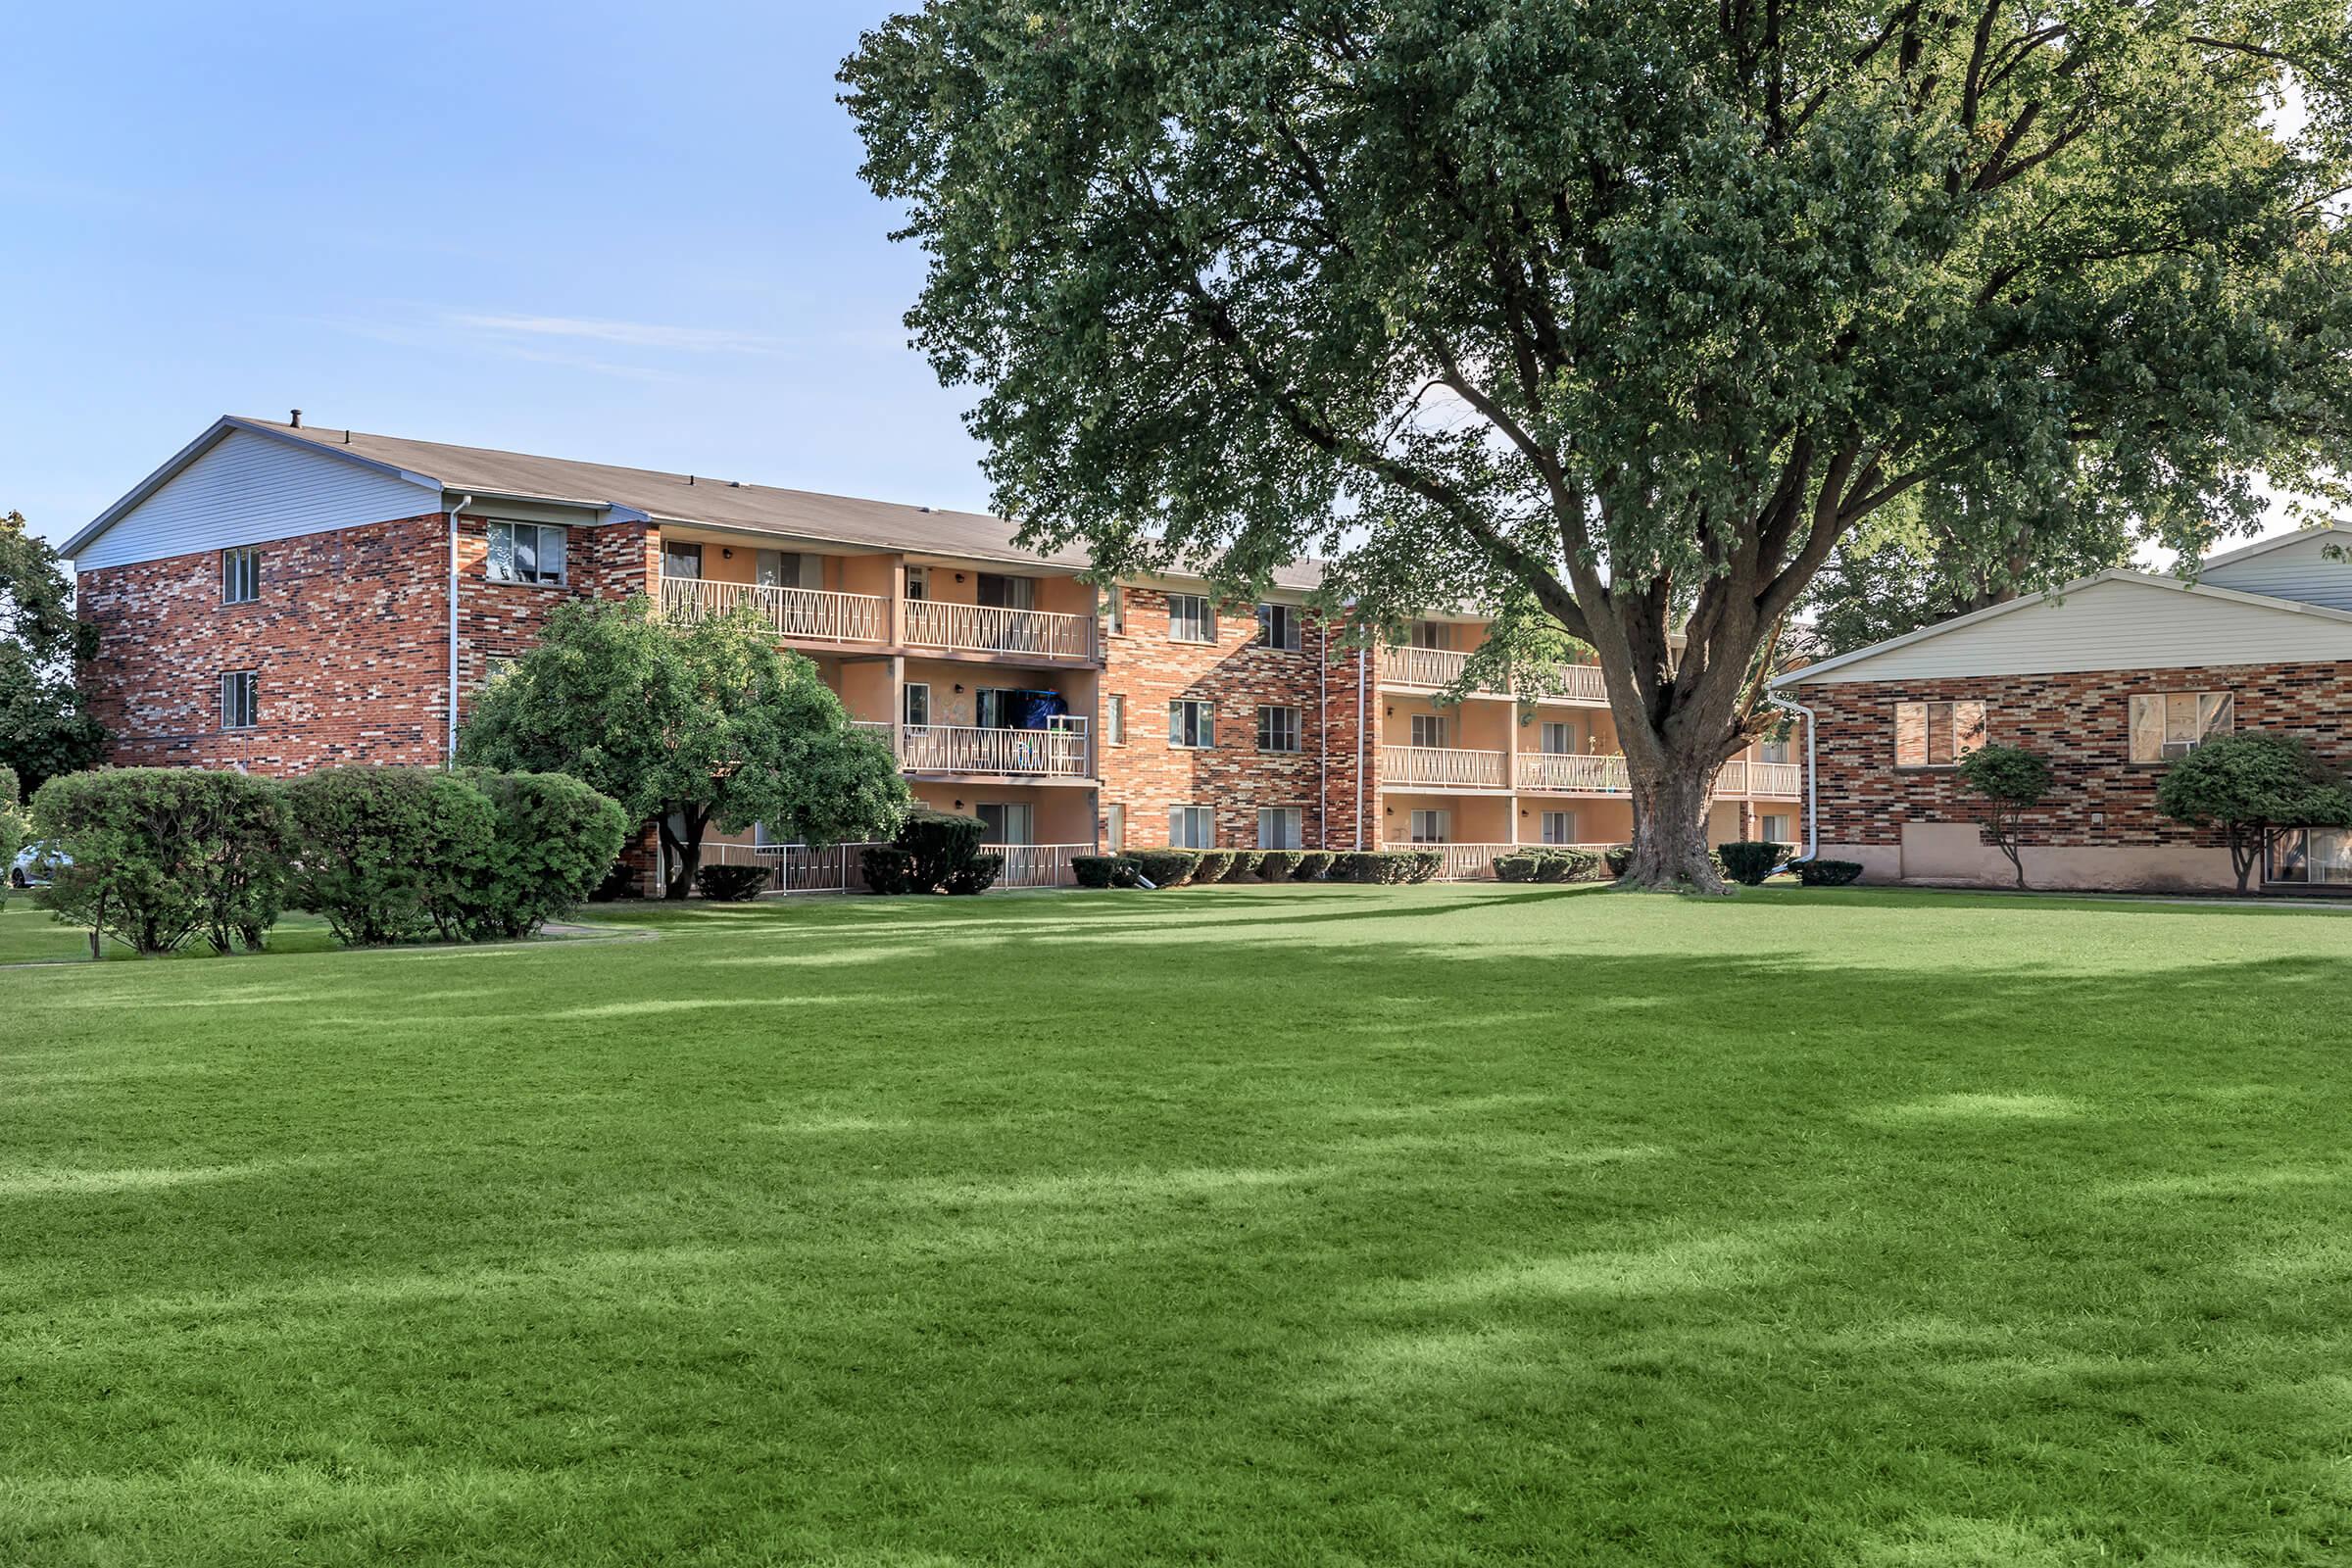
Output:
x=1314 y=1225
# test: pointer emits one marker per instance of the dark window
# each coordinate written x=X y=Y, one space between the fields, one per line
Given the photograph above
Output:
x=681 y=561
x=1192 y=724
x=525 y=552
x=1278 y=626
x=240 y=700
x=240 y=576
x=1278 y=729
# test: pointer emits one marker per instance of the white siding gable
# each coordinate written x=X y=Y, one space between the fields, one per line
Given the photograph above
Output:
x=249 y=489
x=2297 y=570
x=2112 y=624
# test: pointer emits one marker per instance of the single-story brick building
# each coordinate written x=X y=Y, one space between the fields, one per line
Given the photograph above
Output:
x=2112 y=678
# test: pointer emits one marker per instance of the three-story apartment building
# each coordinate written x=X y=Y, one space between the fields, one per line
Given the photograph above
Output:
x=280 y=597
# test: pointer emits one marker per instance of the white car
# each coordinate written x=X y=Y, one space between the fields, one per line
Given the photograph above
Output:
x=36 y=865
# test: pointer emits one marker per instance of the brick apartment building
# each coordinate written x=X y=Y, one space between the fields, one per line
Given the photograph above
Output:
x=2110 y=678
x=280 y=597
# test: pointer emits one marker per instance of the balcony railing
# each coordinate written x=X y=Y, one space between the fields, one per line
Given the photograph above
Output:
x=993 y=629
x=1441 y=766
x=799 y=615
x=1061 y=753
x=1475 y=863
x=1779 y=779
x=799 y=868
x=1581 y=773
x=1037 y=865
x=1435 y=668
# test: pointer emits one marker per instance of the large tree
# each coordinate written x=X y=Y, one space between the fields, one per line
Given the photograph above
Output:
x=45 y=726
x=688 y=728
x=1620 y=315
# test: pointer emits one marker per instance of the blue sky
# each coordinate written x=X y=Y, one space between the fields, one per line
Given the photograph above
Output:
x=627 y=232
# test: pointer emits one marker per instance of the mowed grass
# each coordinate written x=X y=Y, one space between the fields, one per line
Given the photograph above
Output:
x=1314 y=1225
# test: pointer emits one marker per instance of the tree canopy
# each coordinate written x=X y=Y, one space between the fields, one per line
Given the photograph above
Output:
x=689 y=727
x=45 y=726
x=1620 y=316
x=2011 y=781
x=2247 y=784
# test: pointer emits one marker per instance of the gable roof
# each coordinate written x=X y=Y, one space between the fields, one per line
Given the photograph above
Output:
x=2141 y=620
x=649 y=493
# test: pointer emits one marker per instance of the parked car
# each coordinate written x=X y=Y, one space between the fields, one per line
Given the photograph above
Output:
x=36 y=865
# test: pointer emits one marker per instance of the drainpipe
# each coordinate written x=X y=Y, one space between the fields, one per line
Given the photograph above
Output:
x=1362 y=714
x=1812 y=787
x=449 y=751
x=1323 y=752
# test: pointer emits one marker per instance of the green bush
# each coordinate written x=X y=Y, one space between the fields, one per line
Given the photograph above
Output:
x=1099 y=870
x=1750 y=861
x=730 y=884
x=935 y=852
x=1827 y=873
x=975 y=875
x=1216 y=866
x=552 y=840
x=14 y=828
x=1166 y=868
x=1519 y=865
x=889 y=869
x=1539 y=863
x=1390 y=866
x=1617 y=857
x=1279 y=865
x=389 y=853
x=621 y=881
x=1312 y=863
x=159 y=854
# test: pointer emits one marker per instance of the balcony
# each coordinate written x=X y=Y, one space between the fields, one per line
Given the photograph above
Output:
x=1444 y=767
x=1780 y=780
x=1578 y=774
x=994 y=630
x=795 y=614
x=1061 y=752
x=840 y=867
x=1435 y=668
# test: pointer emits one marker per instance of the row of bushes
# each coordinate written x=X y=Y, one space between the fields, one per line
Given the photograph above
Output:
x=155 y=856
x=935 y=852
x=1175 y=868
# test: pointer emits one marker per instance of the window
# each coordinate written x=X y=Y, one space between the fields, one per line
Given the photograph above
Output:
x=1558 y=737
x=1775 y=751
x=1559 y=827
x=1429 y=634
x=914 y=704
x=1936 y=734
x=240 y=576
x=2169 y=724
x=1191 y=827
x=918 y=582
x=1190 y=619
x=1278 y=729
x=1008 y=823
x=1278 y=626
x=1114 y=611
x=2311 y=854
x=1433 y=827
x=1278 y=827
x=1192 y=724
x=1115 y=720
x=1001 y=592
x=240 y=700
x=533 y=552
x=788 y=568
x=1114 y=826
x=1429 y=730
x=1775 y=828
x=990 y=710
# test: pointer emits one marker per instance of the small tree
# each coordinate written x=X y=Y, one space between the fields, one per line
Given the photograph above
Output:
x=688 y=727
x=45 y=726
x=2011 y=781
x=2248 y=784
x=12 y=828
x=153 y=855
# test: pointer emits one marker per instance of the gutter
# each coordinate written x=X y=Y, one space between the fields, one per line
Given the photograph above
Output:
x=1812 y=846
x=449 y=751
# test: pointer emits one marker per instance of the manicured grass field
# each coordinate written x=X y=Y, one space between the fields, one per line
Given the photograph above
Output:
x=1315 y=1225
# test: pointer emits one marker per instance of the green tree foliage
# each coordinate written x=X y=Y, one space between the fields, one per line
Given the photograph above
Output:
x=935 y=852
x=2011 y=781
x=154 y=856
x=389 y=853
x=13 y=828
x=1622 y=314
x=552 y=840
x=689 y=727
x=45 y=726
x=2249 y=783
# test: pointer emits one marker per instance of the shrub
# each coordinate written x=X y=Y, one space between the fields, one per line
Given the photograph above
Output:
x=1385 y=865
x=1617 y=857
x=889 y=869
x=975 y=875
x=1216 y=866
x=622 y=881
x=1166 y=868
x=1519 y=865
x=730 y=884
x=551 y=839
x=1098 y=870
x=14 y=828
x=1312 y=863
x=1827 y=873
x=2011 y=781
x=387 y=854
x=1245 y=864
x=1276 y=866
x=161 y=854
x=1750 y=860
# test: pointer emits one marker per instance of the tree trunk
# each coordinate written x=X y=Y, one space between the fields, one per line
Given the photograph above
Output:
x=684 y=856
x=1670 y=824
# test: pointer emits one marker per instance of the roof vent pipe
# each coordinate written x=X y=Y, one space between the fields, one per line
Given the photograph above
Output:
x=295 y=420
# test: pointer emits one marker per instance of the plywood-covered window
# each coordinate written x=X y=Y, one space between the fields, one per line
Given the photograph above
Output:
x=2169 y=724
x=1937 y=734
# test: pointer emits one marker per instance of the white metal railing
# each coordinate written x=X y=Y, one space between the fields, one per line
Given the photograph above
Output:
x=1437 y=667
x=1442 y=765
x=1584 y=773
x=798 y=868
x=1731 y=779
x=1475 y=863
x=1061 y=752
x=1779 y=779
x=802 y=614
x=994 y=630
x=1037 y=865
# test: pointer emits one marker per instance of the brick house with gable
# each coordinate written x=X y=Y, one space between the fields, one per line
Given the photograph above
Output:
x=2110 y=678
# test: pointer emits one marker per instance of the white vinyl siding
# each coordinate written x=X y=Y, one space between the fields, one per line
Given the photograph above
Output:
x=2299 y=569
x=1278 y=827
x=251 y=489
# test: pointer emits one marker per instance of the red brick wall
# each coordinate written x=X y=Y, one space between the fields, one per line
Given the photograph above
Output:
x=2081 y=722
x=1148 y=775
x=349 y=639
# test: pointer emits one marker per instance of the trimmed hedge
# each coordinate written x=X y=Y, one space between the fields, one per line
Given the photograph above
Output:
x=387 y=855
x=1544 y=863
x=1216 y=865
x=1827 y=873
x=975 y=875
x=1245 y=864
x=1388 y=866
x=1103 y=870
x=1312 y=863
x=158 y=854
x=1278 y=865
x=889 y=869
x=935 y=852
x=1167 y=868
x=1617 y=857
x=730 y=884
x=1750 y=861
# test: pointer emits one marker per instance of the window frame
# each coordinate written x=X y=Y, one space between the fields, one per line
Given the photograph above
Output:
x=1437 y=726
x=906 y=690
x=1442 y=816
x=1296 y=824
x=1202 y=724
x=2223 y=722
x=916 y=588
x=1207 y=617
x=241 y=575
x=1266 y=732
x=251 y=695
x=1114 y=826
x=1273 y=615
x=1114 y=611
x=539 y=532
x=1208 y=813
x=1544 y=729
x=1926 y=742
x=1114 y=719
x=1005 y=809
x=1543 y=826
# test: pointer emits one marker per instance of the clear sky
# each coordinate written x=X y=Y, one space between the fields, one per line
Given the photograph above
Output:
x=620 y=231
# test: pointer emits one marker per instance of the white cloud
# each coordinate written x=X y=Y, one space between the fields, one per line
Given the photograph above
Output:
x=629 y=334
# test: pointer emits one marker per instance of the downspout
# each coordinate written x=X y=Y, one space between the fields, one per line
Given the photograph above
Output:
x=449 y=751
x=1323 y=752
x=1362 y=716
x=1812 y=784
